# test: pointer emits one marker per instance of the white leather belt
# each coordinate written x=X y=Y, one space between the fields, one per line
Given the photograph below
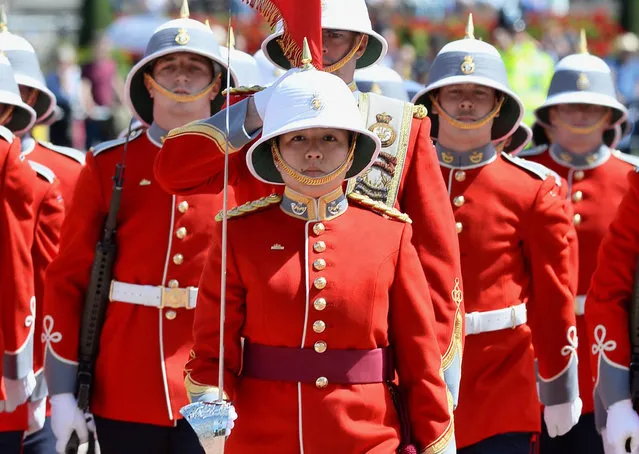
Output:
x=507 y=318
x=580 y=304
x=153 y=296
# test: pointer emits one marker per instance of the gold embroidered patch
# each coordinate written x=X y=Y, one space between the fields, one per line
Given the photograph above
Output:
x=582 y=82
x=447 y=157
x=182 y=37
x=384 y=130
x=476 y=157
x=468 y=65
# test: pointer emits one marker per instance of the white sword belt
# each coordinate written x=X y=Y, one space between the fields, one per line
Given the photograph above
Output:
x=153 y=295
x=497 y=320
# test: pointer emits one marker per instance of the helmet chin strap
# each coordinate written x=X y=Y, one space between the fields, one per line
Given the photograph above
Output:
x=6 y=114
x=340 y=64
x=311 y=181
x=466 y=125
x=583 y=130
x=180 y=97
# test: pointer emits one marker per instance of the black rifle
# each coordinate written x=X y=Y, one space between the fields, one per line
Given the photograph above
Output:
x=95 y=303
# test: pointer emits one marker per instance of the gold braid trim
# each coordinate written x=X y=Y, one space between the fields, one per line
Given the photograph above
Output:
x=379 y=207
x=340 y=64
x=250 y=207
x=464 y=124
x=585 y=129
x=197 y=128
x=195 y=389
x=240 y=91
x=456 y=342
x=178 y=97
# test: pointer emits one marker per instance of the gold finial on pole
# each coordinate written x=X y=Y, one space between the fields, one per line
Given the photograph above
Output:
x=184 y=10
x=3 y=19
x=583 y=42
x=207 y=23
x=470 y=28
x=231 y=42
x=307 y=58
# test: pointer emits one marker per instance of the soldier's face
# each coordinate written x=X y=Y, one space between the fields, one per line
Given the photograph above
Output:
x=579 y=116
x=467 y=102
x=336 y=45
x=183 y=73
x=315 y=153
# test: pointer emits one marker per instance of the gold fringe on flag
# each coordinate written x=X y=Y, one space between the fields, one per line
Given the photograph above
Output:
x=292 y=50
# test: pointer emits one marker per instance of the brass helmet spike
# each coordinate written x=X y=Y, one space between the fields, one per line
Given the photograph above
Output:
x=231 y=42
x=3 y=19
x=184 y=10
x=207 y=23
x=583 y=42
x=470 y=27
x=307 y=58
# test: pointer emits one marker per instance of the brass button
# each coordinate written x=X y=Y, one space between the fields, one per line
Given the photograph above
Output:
x=320 y=346
x=183 y=206
x=319 y=326
x=460 y=175
x=181 y=233
x=576 y=219
x=579 y=175
x=320 y=283
x=459 y=226
x=321 y=382
x=320 y=246
x=178 y=259
x=319 y=264
x=459 y=201
x=578 y=196
x=170 y=315
x=173 y=283
x=319 y=304
x=318 y=229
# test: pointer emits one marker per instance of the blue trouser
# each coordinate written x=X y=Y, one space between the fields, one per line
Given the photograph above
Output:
x=510 y=443
x=40 y=442
x=11 y=442
x=581 y=439
x=119 y=437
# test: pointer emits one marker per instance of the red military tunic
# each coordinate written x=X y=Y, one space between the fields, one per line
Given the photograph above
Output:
x=48 y=208
x=514 y=232
x=162 y=240
x=336 y=288
x=192 y=161
x=608 y=304
x=592 y=179
x=16 y=275
x=66 y=163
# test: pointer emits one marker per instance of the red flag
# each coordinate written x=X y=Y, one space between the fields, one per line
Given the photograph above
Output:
x=302 y=19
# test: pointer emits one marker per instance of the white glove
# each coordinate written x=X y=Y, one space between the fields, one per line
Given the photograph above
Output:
x=66 y=418
x=18 y=391
x=37 y=415
x=261 y=98
x=622 y=423
x=562 y=417
x=232 y=418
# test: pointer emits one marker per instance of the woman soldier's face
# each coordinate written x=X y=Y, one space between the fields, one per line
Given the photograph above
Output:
x=315 y=152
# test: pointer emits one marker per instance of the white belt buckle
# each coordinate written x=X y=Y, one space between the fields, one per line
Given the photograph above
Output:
x=175 y=298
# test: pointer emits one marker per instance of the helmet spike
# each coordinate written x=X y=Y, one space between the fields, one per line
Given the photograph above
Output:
x=470 y=27
x=184 y=10
x=583 y=42
x=3 y=19
x=307 y=58
x=231 y=42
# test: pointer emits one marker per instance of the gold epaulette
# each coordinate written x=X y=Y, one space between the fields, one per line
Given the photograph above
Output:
x=250 y=207
x=243 y=91
x=420 y=111
x=379 y=207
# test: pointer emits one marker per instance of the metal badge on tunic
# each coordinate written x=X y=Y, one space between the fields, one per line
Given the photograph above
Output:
x=384 y=130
